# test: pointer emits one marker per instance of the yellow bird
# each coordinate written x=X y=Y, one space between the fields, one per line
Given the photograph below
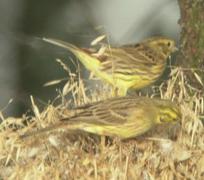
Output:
x=127 y=67
x=123 y=117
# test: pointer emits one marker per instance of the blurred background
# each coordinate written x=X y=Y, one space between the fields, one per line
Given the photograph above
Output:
x=27 y=62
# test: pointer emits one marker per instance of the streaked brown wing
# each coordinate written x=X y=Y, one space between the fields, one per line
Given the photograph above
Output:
x=142 y=54
x=127 y=59
x=109 y=112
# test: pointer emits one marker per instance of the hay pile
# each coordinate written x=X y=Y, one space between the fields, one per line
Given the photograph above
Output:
x=66 y=155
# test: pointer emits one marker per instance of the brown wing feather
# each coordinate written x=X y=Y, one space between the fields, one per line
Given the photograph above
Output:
x=128 y=58
x=112 y=111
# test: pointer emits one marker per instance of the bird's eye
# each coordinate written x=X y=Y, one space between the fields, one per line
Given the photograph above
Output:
x=162 y=119
x=169 y=44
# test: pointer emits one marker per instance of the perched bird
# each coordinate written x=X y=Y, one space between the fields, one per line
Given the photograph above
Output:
x=130 y=66
x=123 y=117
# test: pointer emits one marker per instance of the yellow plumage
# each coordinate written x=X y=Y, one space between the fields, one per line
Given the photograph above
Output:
x=131 y=66
x=122 y=117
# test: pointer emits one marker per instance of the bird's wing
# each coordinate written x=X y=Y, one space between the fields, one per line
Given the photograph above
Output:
x=126 y=59
x=141 y=53
x=110 y=112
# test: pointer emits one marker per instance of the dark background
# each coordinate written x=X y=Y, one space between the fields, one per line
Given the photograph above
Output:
x=27 y=62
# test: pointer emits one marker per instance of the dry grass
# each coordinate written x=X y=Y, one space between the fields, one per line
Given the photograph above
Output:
x=63 y=155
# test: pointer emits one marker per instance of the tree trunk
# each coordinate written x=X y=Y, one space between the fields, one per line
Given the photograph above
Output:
x=191 y=53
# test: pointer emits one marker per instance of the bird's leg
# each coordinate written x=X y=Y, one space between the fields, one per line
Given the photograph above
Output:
x=114 y=91
x=103 y=143
x=122 y=91
x=119 y=91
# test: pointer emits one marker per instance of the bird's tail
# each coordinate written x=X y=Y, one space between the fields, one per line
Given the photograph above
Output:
x=90 y=62
x=61 y=43
x=43 y=130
